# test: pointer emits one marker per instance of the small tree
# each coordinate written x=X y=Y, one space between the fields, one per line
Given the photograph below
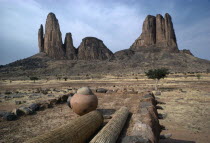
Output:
x=65 y=78
x=34 y=78
x=157 y=74
x=198 y=76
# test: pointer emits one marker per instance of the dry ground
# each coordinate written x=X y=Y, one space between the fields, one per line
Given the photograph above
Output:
x=187 y=105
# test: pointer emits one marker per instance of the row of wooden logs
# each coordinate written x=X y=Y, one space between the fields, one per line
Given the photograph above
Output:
x=87 y=128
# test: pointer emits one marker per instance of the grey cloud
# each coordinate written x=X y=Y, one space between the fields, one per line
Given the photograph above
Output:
x=117 y=23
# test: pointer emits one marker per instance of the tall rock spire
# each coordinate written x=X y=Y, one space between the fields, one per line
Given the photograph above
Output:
x=160 y=29
x=41 y=39
x=52 y=39
x=157 y=32
x=149 y=31
x=69 y=47
x=170 y=34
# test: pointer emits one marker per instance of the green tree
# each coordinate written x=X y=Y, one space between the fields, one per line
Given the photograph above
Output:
x=65 y=78
x=198 y=76
x=157 y=74
x=34 y=78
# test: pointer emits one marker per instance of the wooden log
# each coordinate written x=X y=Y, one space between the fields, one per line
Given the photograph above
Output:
x=111 y=131
x=78 y=130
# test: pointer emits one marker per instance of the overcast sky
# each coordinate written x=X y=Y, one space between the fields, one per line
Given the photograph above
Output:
x=117 y=22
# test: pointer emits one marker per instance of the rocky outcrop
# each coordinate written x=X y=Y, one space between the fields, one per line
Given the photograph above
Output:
x=41 y=39
x=186 y=52
x=157 y=32
x=124 y=54
x=70 y=50
x=92 y=48
x=52 y=40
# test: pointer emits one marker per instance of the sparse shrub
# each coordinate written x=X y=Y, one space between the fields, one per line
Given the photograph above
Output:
x=136 y=78
x=65 y=78
x=7 y=92
x=198 y=76
x=157 y=74
x=58 y=78
x=185 y=75
x=34 y=78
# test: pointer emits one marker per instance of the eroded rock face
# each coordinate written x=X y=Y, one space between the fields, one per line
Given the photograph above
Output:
x=170 y=34
x=157 y=32
x=69 y=48
x=148 y=35
x=52 y=40
x=160 y=29
x=92 y=48
x=41 y=39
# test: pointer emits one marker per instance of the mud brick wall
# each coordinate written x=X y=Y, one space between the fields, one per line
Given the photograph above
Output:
x=146 y=127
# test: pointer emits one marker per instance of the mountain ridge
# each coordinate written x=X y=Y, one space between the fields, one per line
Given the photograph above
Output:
x=156 y=47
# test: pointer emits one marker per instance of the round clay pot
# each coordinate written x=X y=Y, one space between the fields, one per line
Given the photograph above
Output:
x=82 y=104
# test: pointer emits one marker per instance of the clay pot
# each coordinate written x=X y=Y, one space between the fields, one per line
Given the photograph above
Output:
x=82 y=104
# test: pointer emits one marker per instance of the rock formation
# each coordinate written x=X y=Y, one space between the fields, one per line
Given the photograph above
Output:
x=186 y=52
x=124 y=54
x=157 y=36
x=148 y=36
x=69 y=49
x=41 y=39
x=157 y=32
x=51 y=43
x=52 y=40
x=92 y=48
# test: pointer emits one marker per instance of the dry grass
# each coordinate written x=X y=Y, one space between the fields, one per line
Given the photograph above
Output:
x=187 y=105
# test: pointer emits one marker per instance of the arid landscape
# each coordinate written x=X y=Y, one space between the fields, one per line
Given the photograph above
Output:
x=104 y=71
x=186 y=109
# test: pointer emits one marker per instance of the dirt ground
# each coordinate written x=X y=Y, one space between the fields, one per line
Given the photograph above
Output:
x=187 y=107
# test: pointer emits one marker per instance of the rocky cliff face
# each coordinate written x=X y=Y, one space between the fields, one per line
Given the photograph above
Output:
x=53 y=46
x=41 y=39
x=157 y=32
x=70 y=50
x=92 y=48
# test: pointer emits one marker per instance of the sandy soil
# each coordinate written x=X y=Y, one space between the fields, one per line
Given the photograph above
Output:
x=187 y=105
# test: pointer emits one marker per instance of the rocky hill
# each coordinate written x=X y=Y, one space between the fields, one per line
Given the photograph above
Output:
x=155 y=47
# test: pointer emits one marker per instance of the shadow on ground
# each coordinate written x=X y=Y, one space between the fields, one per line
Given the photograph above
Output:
x=175 y=141
x=107 y=111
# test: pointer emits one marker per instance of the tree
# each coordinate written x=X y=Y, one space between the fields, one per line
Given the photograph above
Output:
x=198 y=76
x=157 y=74
x=65 y=78
x=34 y=78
